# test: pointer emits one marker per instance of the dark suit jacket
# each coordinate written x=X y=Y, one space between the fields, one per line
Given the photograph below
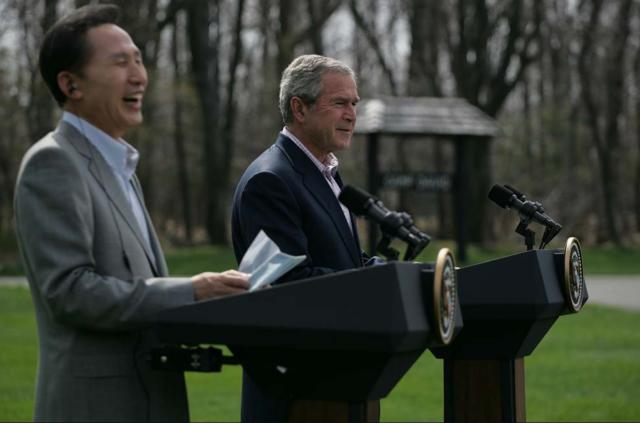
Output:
x=283 y=193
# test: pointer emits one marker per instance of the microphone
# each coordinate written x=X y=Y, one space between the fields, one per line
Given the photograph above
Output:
x=509 y=198
x=395 y=224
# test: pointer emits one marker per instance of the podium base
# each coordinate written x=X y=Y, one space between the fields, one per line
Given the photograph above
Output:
x=484 y=390
x=303 y=411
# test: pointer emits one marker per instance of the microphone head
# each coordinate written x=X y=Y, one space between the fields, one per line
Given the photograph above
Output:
x=501 y=196
x=518 y=194
x=355 y=199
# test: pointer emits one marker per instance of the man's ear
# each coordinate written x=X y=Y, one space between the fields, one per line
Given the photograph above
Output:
x=298 y=109
x=68 y=85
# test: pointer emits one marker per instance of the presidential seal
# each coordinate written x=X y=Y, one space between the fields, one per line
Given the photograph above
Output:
x=445 y=295
x=573 y=275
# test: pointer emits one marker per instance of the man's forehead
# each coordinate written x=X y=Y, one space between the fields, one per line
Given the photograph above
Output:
x=338 y=82
x=337 y=75
x=110 y=40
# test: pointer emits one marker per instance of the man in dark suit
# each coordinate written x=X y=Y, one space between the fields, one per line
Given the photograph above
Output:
x=290 y=191
x=94 y=264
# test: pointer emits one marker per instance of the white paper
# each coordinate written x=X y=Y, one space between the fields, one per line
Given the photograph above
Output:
x=265 y=262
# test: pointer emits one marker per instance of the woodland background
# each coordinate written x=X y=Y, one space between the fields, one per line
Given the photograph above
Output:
x=561 y=77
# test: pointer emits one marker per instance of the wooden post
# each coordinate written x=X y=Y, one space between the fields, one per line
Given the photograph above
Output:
x=460 y=194
x=484 y=391
x=303 y=411
x=373 y=182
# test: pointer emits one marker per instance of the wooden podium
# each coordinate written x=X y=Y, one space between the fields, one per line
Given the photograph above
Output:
x=508 y=306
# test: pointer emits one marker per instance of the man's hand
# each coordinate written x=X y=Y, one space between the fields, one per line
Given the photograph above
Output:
x=212 y=285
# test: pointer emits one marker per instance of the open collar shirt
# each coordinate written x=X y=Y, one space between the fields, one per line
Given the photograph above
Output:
x=328 y=170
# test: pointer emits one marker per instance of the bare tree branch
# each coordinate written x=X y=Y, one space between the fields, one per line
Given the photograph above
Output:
x=369 y=33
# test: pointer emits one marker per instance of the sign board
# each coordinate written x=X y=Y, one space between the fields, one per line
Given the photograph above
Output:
x=418 y=181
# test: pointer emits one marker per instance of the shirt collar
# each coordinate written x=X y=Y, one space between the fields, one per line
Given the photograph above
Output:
x=330 y=165
x=121 y=156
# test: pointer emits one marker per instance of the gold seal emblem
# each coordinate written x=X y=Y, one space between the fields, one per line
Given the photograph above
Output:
x=573 y=275
x=445 y=295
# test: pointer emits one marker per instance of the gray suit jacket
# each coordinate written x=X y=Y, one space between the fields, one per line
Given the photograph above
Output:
x=95 y=286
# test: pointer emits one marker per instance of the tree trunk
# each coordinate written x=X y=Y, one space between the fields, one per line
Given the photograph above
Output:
x=41 y=105
x=227 y=137
x=315 y=27
x=615 y=75
x=370 y=34
x=204 y=63
x=527 y=127
x=285 y=35
x=178 y=137
x=603 y=118
x=484 y=83
x=424 y=80
x=636 y=185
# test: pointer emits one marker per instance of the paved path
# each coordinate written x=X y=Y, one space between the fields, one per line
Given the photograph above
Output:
x=13 y=281
x=617 y=291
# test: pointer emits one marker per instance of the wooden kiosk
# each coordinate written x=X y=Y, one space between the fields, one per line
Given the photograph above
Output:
x=443 y=119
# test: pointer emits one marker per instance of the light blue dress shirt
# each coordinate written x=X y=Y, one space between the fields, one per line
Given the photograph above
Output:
x=121 y=157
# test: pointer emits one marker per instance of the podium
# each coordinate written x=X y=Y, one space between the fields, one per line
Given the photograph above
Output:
x=346 y=338
x=508 y=304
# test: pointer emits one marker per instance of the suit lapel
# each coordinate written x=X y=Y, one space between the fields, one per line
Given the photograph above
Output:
x=319 y=188
x=153 y=237
x=104 y=176
x=354 y=223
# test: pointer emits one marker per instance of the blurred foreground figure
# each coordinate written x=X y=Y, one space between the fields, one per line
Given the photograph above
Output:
x=95 y=267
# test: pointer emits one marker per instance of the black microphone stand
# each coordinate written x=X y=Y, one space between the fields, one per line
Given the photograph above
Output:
x=530 y=208
x=389 y=227
x=384 y=247
x=528 y=234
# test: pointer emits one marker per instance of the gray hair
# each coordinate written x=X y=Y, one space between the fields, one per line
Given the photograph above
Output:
x=303 y=78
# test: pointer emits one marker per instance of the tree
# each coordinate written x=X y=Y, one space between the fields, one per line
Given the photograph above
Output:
x=368 y=29
x=204 y=41
x=184 y=186
x=490 y=47
x=636 y=182
x=424 y=80
x=604 y=109
x=39 y=102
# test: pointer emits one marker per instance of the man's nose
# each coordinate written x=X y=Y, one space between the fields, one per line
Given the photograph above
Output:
x=138 y=75
x=350 y=113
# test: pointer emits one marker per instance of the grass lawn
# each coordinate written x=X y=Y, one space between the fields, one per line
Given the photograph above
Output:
x=586 y=369
x=602 y=260
x=597 y=260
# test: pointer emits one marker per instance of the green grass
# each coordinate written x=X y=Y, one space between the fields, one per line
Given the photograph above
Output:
x=598 y=260
x=586 y=369
x=9 y=257
x=192 y=260
x=602 y=260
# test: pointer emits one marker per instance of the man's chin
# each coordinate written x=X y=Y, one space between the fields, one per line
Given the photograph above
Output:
x=134 y=121
x=344 y=144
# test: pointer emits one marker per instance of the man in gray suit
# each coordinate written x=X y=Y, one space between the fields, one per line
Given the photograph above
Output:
x=95 y=267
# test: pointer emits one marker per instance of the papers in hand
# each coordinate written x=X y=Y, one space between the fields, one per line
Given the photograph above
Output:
x=265 y=262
